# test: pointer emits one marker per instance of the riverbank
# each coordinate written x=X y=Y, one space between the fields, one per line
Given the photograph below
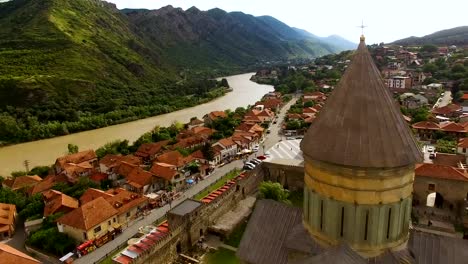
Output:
x=44 y=152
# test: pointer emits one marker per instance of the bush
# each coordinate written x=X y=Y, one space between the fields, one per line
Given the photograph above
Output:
x=273 y=191
x=52 y=241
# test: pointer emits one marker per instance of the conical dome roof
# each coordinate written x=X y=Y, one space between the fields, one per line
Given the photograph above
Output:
x=361 y=124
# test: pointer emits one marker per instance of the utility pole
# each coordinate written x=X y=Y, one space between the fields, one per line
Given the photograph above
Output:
x=26 y=165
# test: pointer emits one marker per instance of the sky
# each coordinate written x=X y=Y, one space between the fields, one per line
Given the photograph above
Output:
x=386 y=21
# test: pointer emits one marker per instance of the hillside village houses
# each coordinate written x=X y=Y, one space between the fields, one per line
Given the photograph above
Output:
x=8 y=218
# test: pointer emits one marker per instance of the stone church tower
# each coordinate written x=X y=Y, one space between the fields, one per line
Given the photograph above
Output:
x=360 y=158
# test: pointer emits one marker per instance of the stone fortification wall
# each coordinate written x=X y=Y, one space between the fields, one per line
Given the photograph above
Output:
x=186 y=235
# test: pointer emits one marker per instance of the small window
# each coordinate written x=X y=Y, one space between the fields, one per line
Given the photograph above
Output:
x=128 y=214
x=342 y=221
x=389 y=220
x=321 y=215
x=109 y=222
x=431 y=187
x=367 y=225
x=114 y=219
x=464 y=150
x=97 y=229
x=85 y=236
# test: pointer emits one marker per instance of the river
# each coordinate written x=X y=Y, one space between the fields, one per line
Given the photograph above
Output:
x=44 y=152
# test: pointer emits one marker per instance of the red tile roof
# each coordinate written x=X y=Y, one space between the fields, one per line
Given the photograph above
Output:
x=111 y=160
x=453 y=127
x=172 y=157
x=440 y=172
x=165 y=172
x=92 y=194
x=227 y=142
x=77 y=158
x=21 y=182
x=189 y=142
x=465 y=96
x=195 y=122
x=198 y=155
x=125 y=168
x=151 y=149
x=270 y=103
x=7 y=217
x=123 y=200
x=426 y=125
x=217 y=114
x=89 y=215
x=47 y=184
x=448 y=109
x=9 y=255
x=204 y=131
x=56 y=201
x=139 y=177
x=463 y=143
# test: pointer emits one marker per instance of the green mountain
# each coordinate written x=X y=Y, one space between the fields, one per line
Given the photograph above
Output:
x=453 y=36
x=73 y=65
x=203 y=39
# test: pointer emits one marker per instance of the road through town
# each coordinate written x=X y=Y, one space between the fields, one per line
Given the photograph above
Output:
x=155 y=215
x=272 y=138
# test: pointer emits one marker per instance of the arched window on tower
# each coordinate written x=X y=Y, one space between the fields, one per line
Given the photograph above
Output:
x=366 y=226
x=389 y=220
x=342 y=221
x=321 y=214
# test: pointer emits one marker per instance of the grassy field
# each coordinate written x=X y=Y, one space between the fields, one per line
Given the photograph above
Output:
x=229 y=176
x=221 y=256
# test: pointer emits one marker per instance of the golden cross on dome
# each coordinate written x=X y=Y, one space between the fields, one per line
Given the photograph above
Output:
x=362 y=26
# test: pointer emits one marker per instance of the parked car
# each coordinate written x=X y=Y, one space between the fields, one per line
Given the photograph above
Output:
x=249 y=166
x=274 y=122
x=255 y=148
x=255 y=161
x=289 y=138
x=262 y=157
x=246 y=167
x=430 y=149
x=432 y=155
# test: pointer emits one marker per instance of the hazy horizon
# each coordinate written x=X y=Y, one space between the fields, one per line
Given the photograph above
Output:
x=385 y=23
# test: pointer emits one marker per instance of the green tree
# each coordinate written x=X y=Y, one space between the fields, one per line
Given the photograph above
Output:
x=115 y=147
x=207 y=151
x=34 y=207
x=309 y=104
x=293 y=125
x=41 y=171
x=52 y=241
x=430 y=67
x=11 y=197
x=72 y=149
x=194 y=167
x=273 y=191
x=224 y=83
x=421 y=114
x=458 y=68
x=15 y=174
x=429 y=48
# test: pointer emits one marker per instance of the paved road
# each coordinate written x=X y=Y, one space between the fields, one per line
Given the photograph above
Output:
x=156 y=214
x=275 y=129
